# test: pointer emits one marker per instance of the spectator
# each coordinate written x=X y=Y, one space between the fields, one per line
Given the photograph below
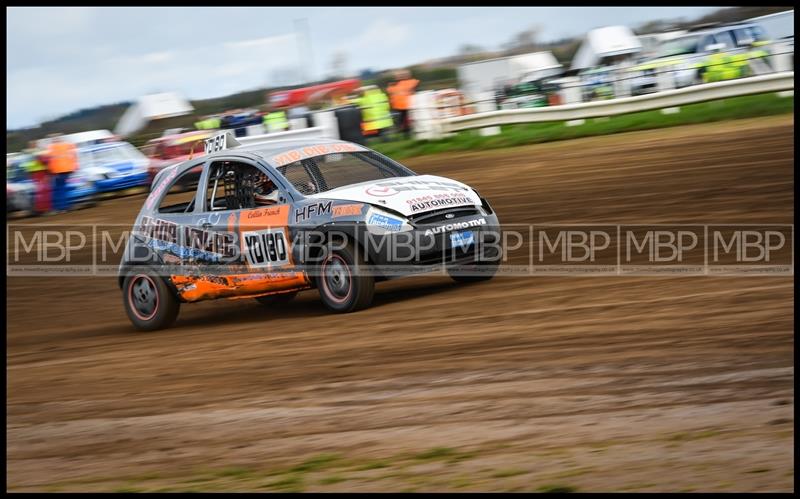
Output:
x=275 y=120
x=375 y=113
x=36 y=168
x=400 y=93
x=62 y=161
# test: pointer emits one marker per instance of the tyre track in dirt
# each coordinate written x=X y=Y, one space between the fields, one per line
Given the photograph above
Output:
x=507 y=369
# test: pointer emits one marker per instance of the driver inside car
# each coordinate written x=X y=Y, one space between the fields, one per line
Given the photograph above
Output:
x=265 y=190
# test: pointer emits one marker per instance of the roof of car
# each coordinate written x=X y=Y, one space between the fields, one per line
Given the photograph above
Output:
x=265 y=151
x=104 y=145
x=716 y=29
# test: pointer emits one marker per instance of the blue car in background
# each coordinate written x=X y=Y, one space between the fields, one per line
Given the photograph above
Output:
x=113 y=166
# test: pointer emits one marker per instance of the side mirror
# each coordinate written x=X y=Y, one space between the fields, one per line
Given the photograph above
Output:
x=715 y=47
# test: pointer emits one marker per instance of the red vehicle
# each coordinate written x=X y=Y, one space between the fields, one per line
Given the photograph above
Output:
x=173 y=149
x=305 y=95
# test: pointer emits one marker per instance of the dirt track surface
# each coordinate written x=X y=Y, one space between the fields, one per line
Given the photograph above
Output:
x=525 y=383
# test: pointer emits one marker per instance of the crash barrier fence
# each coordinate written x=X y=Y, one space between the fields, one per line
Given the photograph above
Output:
x=671 y=98
x=618 y=83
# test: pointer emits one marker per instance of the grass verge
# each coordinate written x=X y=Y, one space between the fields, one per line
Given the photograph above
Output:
x=748 y=106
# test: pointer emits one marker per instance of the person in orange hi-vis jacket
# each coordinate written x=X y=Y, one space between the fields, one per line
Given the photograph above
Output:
x=62 y=161
x=400 y=93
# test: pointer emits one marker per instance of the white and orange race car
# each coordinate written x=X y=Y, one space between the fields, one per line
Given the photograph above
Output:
x=268 y=220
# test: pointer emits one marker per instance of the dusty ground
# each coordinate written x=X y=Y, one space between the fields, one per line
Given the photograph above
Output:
x=525 y=383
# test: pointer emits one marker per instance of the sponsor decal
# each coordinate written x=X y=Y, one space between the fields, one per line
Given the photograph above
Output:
x=455 y=226
x=440 y=203
x=387 y=223
x=265 y=248
x=462 y=239
x=385 y=189
x=196 y=242
x=347 y=210
x=379 y=191
x=151 y=199
x=262 y=277
x=309 y=152
x=182 y=252
x=423 y=185
x=273 y=216
x=312 y=210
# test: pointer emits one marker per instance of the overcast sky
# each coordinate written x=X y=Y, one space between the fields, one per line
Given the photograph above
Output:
x=61 y=59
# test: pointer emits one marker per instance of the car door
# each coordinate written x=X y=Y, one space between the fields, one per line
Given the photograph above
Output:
x=228 y=212
x=172 y=210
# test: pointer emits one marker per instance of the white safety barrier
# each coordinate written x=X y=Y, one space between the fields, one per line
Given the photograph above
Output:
x=775 y=82
x=305 y=133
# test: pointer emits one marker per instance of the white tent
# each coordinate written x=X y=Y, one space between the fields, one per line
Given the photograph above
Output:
x=151 y=107
x=778 y=25
x=476 y=78
x=600 y=43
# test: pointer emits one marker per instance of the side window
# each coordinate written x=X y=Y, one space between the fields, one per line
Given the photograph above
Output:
x=181 y=194
x=708 y=40
x=748 y=35
x=758 y=33
x=726 y=38
x=233 y=185
x=297 y=174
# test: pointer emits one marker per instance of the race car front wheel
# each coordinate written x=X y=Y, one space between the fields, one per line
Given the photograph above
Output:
x=149 y=303
x=341 y=285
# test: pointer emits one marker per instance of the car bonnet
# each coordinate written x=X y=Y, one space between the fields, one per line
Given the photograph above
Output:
x=407 y=195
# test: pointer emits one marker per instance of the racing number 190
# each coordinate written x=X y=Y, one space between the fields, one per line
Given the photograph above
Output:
x=216 y=143
x=266 y=248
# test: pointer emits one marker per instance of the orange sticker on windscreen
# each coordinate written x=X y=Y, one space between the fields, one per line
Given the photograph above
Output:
x=287 y=157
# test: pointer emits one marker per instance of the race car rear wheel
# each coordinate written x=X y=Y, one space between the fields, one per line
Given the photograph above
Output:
x=278 y=299
x=342 y=287
x=149 y=303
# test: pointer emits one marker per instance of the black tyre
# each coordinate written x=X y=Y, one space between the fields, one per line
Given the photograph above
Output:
x=482 y=271
x=149 y=303
x=279 y=299
x=342 y=287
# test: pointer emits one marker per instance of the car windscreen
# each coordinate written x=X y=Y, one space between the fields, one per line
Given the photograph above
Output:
x=749 y=34
x=683 y=45
x=331 y=171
